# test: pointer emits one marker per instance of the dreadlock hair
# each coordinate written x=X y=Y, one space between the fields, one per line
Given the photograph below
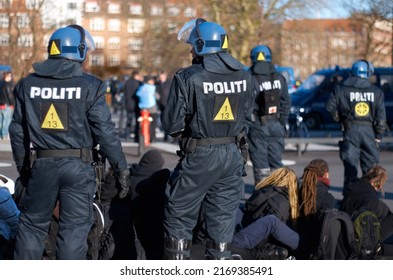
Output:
x=377 y=177
x=284 y=177
x=314 y=170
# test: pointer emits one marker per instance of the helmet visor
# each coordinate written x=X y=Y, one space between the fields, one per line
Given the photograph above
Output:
x=185 y=31
x=91 y=46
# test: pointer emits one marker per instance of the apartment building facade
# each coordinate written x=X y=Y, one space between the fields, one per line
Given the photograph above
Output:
x=312 y=44
x=137 y=34
x=141 y=34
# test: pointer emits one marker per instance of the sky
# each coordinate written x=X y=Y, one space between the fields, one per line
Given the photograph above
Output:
x=334 y=10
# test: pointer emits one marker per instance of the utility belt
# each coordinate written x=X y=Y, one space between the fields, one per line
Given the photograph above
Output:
x=84 y=154
x=361 y=122
x=187 y=144
x=349 y=123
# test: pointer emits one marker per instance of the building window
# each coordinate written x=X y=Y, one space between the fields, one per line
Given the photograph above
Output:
x=72 y=6
x=114 y=43
x=173 y=11
x=189 y=12
x=4 y=40
x=114 y=60
x=172 y=28
x=114 y=8
x=25 y=40
x=156 y=10
x=157 y=61
x=135 y=44
x=97 y=24
x=136 y=9
x=135 y=25
x=338 y=43
x=92 y=7
x=4 y=21
x=96 y=59
x=99 y=42
x=114 y=25
x=23 y=20
x=31 y=4
x=133 y=61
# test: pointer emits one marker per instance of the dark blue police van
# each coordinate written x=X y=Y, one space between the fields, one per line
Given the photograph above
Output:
x=309 y=100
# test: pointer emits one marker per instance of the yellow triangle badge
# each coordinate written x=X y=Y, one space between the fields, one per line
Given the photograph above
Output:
x=261 y=57
x=52 y=120
x=225 y=42
x=225 y=112
x=54 y=49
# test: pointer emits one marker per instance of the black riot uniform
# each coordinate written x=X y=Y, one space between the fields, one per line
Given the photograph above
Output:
x=207 y=106
x=359 y=106
x=267 y=131
x=61 y=113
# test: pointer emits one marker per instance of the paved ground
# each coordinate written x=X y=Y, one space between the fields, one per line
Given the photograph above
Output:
x=290 y=158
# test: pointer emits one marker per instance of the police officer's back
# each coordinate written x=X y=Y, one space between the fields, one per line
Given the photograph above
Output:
x=359 y=106
x=62 y=114
x=267 y=131
x=207 y=107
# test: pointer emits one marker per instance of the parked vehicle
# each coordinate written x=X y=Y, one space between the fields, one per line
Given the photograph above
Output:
x=309 y=100
x=289 y=76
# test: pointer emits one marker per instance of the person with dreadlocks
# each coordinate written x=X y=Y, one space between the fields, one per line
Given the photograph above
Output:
x=314 y=197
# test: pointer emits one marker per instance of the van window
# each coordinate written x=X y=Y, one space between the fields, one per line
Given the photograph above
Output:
x=312 y=81
x=387 y=83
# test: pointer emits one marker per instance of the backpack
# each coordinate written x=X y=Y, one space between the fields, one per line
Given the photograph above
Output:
x=337 y=239
x=268 y=99
x=367 y=234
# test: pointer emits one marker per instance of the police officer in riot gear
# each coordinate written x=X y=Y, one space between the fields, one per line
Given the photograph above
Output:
x=359 y=106
x=267 y=131
x=207 y=107
x=62 y=114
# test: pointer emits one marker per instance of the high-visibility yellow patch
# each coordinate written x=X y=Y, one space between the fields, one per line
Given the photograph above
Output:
x=362 y=109
x=261 y=57
x=54 y=49
x=225 y=112
x=225 y=42
x=52 y=119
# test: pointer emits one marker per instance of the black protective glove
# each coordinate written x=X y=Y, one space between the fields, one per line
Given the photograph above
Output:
x=124 y=182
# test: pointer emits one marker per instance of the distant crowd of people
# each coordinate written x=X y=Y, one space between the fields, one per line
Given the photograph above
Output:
x=135 y=93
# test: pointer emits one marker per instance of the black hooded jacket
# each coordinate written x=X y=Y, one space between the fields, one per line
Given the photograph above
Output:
x=357 y=91
x=60 y=107
x=361 y=194
x=198 y=92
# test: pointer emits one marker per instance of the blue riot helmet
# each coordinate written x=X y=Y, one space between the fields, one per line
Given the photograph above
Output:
x=71 y=42
x=205 y=37
x=362 y=68
x=261 y=53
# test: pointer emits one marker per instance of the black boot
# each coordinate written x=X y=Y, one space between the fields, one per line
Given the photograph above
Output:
x=217 y=250
x=246 y=254
x=271 y=252
x=177 y=249
x=260 y=174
